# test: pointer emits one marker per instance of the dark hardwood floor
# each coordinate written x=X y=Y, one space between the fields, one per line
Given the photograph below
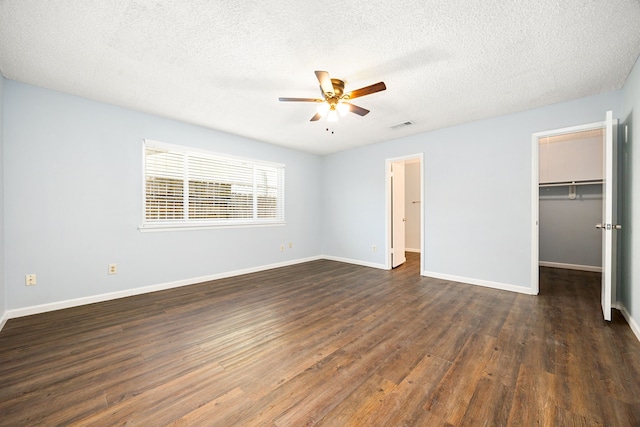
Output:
x=327 y=344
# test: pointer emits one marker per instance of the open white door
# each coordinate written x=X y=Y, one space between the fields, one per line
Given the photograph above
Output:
x=397 y=214
x=609 y=218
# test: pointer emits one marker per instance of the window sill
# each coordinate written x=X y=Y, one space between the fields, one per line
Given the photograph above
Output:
x=145 y=228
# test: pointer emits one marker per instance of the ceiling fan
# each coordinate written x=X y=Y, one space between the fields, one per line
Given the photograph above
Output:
x=334 y=99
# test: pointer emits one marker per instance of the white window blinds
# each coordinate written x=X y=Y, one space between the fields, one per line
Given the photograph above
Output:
x=188 y=187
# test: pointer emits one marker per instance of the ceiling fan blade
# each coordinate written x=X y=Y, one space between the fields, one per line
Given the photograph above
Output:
x=300 y=100
x=358 y=110
x=325 y=82
x=368 y=90
x=317 y=116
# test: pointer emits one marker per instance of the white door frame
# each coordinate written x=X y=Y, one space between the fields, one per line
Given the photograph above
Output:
x=388 y=200
x=535 y=193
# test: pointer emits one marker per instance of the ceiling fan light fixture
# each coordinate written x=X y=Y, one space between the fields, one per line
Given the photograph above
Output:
x=323 y=109
x=332 y=116
x=343 y=108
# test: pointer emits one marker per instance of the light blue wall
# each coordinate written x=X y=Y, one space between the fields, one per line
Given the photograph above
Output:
x=477 y=206
x=73 y=202
x=72 y=198
x=3 y=305
x=630 y=245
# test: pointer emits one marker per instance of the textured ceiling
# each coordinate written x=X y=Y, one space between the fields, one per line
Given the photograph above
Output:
x=223 y=64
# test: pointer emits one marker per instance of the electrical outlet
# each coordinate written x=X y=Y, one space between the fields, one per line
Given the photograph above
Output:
x=281 y=248
x=113 y=268
x=374 y=248
x=30 y=279
x=290 y=245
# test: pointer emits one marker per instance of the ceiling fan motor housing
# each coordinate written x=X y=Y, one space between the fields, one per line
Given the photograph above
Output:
x=338 y=88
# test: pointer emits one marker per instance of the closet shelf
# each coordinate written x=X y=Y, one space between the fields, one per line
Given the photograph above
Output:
x=565 y=183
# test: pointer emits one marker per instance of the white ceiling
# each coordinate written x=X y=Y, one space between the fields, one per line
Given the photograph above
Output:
x=223 y=64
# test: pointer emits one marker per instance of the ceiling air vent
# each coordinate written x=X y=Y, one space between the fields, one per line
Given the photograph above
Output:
x=401 y=124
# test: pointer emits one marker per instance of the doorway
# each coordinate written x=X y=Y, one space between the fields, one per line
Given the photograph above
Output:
x=550 y=149
x=561 y=159
x=404 y=210
x=570 y=200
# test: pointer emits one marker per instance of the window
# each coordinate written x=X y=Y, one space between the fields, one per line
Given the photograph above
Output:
x=193 y=188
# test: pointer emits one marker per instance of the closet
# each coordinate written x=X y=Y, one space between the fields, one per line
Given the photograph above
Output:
x=570 y=177
x=412 y=205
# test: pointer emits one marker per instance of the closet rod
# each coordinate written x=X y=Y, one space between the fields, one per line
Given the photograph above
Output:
x=564 y=184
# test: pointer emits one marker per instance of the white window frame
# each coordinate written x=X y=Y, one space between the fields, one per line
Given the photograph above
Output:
x=192 y=223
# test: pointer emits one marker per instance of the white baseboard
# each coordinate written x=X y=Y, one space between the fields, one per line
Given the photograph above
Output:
x=570 y=266
x=59 y=305
x=412 y=250
x=630 y=320
x=3 y=320
x=355 y=261
x=43 y=308
x=479 y=282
